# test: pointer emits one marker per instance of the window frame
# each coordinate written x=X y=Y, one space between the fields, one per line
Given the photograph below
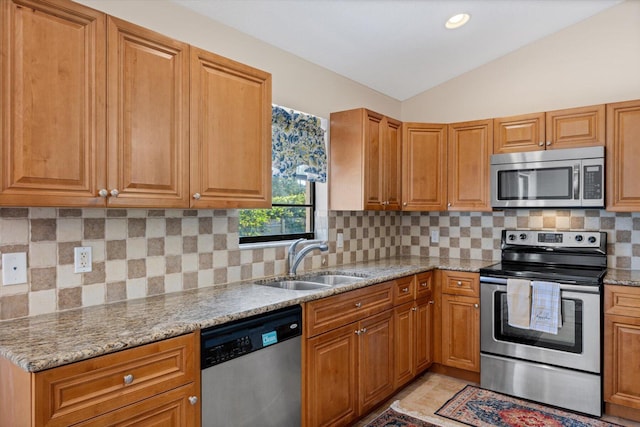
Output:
x=293 y=236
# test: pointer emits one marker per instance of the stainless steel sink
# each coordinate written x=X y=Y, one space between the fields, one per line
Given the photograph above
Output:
x=333 y=279
x=296 y=285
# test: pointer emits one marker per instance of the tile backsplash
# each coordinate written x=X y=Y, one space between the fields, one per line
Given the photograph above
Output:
x=139 y=252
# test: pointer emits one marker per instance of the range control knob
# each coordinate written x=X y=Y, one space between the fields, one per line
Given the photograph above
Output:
x=511 y=237
x=578 y=237
x=523 y=236
x=592 y=239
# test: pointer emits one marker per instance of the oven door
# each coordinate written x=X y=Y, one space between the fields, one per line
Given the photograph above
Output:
x=576 y=346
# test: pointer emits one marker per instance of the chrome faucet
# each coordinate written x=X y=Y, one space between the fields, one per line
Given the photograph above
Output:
x=293 y=259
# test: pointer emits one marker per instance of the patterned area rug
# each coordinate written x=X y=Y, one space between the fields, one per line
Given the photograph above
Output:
x=483 y=408
x=391 y=418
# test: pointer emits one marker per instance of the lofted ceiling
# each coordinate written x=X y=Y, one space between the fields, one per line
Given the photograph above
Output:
x=398 y=47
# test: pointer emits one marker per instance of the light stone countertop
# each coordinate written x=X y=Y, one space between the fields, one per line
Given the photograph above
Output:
x=46 y=341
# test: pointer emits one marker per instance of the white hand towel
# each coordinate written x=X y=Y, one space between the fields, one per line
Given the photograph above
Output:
x=545 y=307
x=519 y=302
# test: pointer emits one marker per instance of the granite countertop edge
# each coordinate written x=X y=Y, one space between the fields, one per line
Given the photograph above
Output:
x=46 y=341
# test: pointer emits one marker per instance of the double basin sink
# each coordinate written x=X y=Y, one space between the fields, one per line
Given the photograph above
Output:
x=314 y=282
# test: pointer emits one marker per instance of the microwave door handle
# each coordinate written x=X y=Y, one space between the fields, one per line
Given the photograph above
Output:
x=576 y=182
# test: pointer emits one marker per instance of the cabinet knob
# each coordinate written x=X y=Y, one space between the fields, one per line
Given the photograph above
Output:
x=432 y=302
x=193 y=399
x=115 y=193
x=405 y=290
x=424 y=284
x=475 y=305
x=541 y=144
x=548 y=143
x=357 y=332
x=363 y=330
x=103 y=192
x=358 y=304
x=459 y=283
x=196 y=196
x=404 y=204
x=449 y=204
x=128 y=379
x=414 y=308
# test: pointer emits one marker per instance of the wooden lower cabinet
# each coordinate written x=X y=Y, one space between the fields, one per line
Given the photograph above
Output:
x=413 y=340
x=154 y=384
x=621 y=349
x=349 y=370
x=460 y=320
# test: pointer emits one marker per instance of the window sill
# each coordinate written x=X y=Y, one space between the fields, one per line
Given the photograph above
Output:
x=265 y=245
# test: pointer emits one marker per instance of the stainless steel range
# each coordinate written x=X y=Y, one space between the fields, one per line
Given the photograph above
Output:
x=561 y=366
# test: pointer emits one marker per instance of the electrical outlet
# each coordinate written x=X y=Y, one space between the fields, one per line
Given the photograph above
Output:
x=82 y=259
x=14 y=268
x=435 y=236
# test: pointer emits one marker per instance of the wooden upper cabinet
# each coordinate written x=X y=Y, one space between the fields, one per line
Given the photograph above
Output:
x=52 y=92
x=519 y=133
x=569 y=128
x=365 y=161
x=623 y=156
x=148 y=117
x=392 y=155
x=424 y=160
x=230 y=133
x=576 y=127
x=469 y=159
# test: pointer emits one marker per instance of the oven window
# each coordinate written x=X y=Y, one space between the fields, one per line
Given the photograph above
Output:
x=569 y=337
x=533 y=184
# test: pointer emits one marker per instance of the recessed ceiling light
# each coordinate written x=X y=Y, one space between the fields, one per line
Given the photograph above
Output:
x=457 y=21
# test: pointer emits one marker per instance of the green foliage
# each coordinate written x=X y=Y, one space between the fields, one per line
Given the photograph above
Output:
x=257 y=222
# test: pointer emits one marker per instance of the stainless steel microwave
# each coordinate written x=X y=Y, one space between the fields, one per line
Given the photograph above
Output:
x=564 y=178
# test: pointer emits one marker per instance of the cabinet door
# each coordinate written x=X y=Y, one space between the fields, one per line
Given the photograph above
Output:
x=405 y=339
x=330 y=384
x=52 y=93
x=172 y=408
x=375 y=375
x=623 y=156
x=519 y=133
x=392 y=164
x=575 y=127
x=148 y=110
x=621 y=368
x=470 y=148
x=230 y=133
x=373 y=162
x=424 y=334
x=461 y=332
x=424 y=174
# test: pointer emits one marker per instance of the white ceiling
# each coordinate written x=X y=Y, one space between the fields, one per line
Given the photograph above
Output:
x=398 y=47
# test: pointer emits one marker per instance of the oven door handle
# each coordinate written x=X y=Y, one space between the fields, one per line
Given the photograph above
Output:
x=563 y=286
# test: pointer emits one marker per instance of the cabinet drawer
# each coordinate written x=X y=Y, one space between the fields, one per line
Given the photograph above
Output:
x=404 y=290
x=424 y=285
x=622 y=300
x=461 y=283
x=92 y=387
x=329 y=313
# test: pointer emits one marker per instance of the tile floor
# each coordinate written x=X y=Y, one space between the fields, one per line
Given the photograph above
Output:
x=441 y=390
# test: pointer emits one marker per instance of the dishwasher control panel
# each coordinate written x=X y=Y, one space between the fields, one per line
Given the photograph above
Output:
x=222 y=343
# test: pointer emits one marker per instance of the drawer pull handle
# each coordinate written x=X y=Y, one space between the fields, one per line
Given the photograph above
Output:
x=405 y=290
x=128 y=379
x=358 y=304
x=193 y=399
x=459 y=283
x=424 y=284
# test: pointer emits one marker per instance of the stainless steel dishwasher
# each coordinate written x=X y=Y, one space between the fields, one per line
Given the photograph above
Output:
x=251 y=371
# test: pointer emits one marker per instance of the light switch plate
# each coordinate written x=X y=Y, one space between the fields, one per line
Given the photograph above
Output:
x=14 y=268
x=435 y=236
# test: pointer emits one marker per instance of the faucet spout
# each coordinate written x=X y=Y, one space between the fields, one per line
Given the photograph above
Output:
x=295 y=259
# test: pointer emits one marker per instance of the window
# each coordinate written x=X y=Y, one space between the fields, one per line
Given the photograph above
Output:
x=298 y=162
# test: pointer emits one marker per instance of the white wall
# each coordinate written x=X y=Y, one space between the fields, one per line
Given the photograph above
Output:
x=296 y=83
x=595 y=61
